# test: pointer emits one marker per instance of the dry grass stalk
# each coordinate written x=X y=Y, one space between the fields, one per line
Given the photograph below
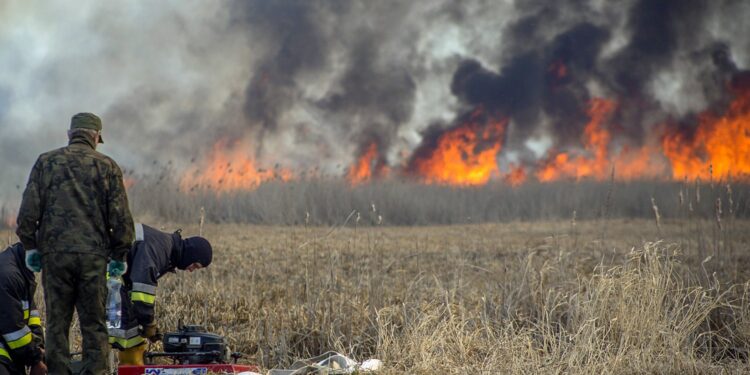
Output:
x=681 y=198
x=573 y=219
x=201 y=221
x=698 y=190
x=657 y=217
x=730 y=199
x=718 y=212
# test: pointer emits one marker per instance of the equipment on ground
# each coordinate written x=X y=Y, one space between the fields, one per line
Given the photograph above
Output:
x=192 y=351
x=192 y=344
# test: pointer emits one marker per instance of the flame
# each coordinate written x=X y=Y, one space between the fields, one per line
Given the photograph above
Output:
x=516 y=176
x=644 y=162
x=129 y=182
x=7 y=217
x=596 y=139
x=558 y=69
x=465 y=155
x=719 y=146
x=368 y=166
x=229 y=168
x=9 y=221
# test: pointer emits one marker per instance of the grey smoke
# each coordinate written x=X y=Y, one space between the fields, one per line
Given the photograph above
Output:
x=311 y=83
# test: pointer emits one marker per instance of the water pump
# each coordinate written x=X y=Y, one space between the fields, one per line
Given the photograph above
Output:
x=192 y=344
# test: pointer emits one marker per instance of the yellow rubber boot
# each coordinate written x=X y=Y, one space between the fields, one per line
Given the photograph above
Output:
x=132 y=356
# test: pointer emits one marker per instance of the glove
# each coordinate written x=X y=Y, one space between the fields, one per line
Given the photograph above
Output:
x=151 y=332
x=115 y=268
x=33 y=260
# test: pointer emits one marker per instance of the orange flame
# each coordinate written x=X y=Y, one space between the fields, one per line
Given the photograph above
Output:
x=367 y=166
x=9 y=221
x=466 y=155
x=516 y=176
x=129 y=182
x=719 y=146
x=558 y=69
x=596 y=140
x=229 y=168
x=644 y=162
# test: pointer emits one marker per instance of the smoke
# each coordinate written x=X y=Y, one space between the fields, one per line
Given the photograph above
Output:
x=311 y=84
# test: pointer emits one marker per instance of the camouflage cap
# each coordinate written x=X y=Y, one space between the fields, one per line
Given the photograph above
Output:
x=85 y=120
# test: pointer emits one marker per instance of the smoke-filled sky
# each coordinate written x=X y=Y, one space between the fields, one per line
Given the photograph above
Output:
x=307 y=84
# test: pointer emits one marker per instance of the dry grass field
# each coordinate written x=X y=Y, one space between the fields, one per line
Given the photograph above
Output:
x=618 y=296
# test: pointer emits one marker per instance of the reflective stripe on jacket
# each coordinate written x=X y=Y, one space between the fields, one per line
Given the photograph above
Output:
x=153 y=254
x=20 y=321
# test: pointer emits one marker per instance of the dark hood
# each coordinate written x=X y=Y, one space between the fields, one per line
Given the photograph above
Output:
x=195 y=250
x=177 y=249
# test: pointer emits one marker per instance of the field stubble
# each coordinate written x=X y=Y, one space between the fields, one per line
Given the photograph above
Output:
x=542 y=297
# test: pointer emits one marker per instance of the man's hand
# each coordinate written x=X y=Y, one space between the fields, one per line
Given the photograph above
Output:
x=151 y=332
x=38 y=369
x=116 y=268
x=33 y=260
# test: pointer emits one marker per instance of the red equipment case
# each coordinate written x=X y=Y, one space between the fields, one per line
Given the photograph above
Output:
x=185 y=369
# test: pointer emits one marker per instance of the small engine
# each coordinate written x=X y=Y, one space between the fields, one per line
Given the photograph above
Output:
x=192 y=344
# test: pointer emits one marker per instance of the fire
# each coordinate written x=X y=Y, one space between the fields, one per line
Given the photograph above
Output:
x=596 y=139
x=558 y=69
x=229 y=168
x=466 y=155
x=516 y=176
x=368 y=166
x=719 y=147
x=644 y=162
x=9 y=220
x=128 y=182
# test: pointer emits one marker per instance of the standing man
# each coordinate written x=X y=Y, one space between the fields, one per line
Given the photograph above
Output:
x=154 y=254
x=73 y=218
x=20 y=325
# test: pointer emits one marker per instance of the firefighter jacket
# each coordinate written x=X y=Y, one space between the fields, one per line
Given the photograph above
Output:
x=20 y=322
x=75 y=202
x=153 y=254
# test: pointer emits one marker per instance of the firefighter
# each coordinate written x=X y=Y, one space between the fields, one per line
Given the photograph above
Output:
x=20 y=324
x=154 y=254
x=74 y=217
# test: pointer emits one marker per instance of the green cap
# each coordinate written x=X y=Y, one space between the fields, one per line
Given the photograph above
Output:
x=87 y=120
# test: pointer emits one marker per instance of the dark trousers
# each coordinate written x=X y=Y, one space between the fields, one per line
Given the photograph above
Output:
x=9 y=369
x=77 y=282
x=128 y=335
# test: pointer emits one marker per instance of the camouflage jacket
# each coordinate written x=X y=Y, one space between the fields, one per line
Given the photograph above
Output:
x=75 y=201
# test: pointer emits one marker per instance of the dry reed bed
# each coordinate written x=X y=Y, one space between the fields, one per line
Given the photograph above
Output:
x=507 y=298
x=324 y=201
x=543 y=297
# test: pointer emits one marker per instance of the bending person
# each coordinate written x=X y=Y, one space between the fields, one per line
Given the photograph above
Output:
x=154 y=254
